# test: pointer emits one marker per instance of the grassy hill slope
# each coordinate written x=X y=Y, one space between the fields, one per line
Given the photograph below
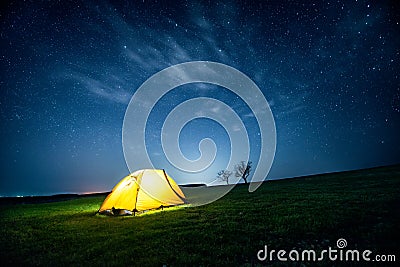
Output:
x=302 y=213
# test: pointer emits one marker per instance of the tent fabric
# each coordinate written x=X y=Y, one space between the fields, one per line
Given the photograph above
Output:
x=143 y=190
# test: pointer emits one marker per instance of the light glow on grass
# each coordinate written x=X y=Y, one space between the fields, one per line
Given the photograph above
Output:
x=173 y=208
x=147 y=212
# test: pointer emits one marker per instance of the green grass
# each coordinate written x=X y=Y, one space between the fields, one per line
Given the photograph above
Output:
x=303 y=213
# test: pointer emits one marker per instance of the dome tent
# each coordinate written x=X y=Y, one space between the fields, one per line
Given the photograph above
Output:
x=142 y=190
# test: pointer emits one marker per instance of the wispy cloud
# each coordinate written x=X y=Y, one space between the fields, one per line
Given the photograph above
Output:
x=145 y=48
x=249 y=115
x=289 y=103
x=101 y=89
x=215 y=109
x=236 y=128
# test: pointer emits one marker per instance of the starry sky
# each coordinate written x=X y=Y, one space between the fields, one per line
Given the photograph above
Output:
x=68 y=69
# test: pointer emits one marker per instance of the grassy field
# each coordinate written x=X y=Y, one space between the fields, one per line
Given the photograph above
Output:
x=302 y=213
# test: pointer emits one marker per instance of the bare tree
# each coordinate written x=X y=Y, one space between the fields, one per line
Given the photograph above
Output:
x=242 y=170
x=223 y=175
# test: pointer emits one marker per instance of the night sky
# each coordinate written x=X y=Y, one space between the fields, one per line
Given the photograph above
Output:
x=329 y=70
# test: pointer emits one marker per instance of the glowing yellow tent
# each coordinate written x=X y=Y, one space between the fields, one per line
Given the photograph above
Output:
x=143 y=190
